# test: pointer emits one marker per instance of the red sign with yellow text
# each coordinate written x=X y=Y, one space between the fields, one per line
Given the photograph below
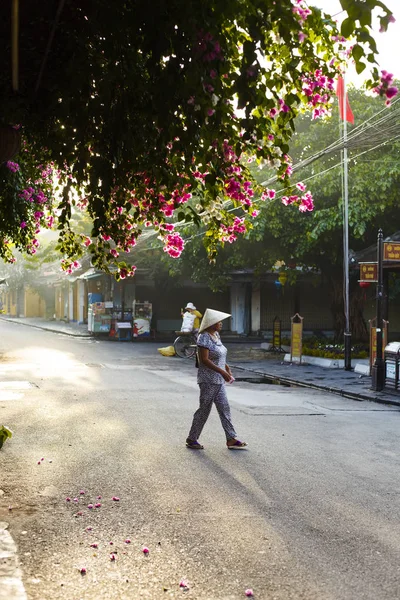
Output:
x=369 y=272
x=391 y=251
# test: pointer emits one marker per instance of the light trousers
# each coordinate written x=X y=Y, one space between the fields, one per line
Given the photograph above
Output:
x=212 y=394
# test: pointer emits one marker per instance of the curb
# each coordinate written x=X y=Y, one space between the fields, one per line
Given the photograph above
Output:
x=317 y=386
x=11 y=586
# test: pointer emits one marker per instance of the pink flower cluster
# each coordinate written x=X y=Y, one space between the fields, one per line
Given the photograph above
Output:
x=301 y=10
x=30 y=195
x=318 y=89
x=228 y=233
x=268 y=194
x=207 y=48
x=304 y=202
x=173 y=244
x=123 y=274
x=69 y=266
x=385 y=88
x=13 y=166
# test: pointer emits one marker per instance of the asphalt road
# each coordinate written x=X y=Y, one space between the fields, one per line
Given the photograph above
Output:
x=310 y=511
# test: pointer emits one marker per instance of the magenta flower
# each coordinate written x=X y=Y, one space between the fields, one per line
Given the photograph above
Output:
x=14 y=167
x=90 y=505
x=94 y=545
x=97 y=505
x=68 y=499
x=391 y=92
x=22 y=224
x=115 y=498
x=81 y=492
x=210 y=112
x=76 y=500
x=98 y=497
x=127 y=541
x=213 y=74
x=184 y=584
x=89 y=528
x=145 y=550
x=83 y=571
x=113 y=556
x=249 y=593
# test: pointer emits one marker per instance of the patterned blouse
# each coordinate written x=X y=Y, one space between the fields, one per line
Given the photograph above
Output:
x=217 y=354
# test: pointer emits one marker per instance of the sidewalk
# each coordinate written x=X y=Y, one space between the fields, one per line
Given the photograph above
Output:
x=338 y=381
x=73 y=329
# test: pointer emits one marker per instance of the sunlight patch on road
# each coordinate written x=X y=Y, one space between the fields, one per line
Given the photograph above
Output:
x=48 y=363
x=10 y=396
x=16 y=385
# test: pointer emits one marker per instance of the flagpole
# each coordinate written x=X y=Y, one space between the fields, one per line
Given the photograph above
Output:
x=347 y=333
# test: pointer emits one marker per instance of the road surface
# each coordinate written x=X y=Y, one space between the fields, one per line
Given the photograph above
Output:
x=310 y=511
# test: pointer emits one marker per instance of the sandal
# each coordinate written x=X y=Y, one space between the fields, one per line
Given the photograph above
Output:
x=237 y=445
x=193 y=445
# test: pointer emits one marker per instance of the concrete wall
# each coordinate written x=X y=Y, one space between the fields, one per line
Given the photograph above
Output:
x=34 y=304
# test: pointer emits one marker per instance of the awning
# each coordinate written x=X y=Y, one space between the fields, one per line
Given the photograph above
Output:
x=91 y=274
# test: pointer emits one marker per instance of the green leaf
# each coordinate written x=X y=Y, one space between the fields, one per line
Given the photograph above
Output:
x=347 y=27
x=357 y=52
x=360 y=66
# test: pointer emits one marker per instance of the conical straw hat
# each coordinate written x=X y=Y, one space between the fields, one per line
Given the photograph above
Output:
x=211 y=317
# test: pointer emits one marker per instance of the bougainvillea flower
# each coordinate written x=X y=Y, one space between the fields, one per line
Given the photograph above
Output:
x=83 y=570
x=90 y=505
x=127 y=541
x=113 y=556
x=94 y=545
x=249 y=593
x=145 y=550
x=115 y=498
x=97 y=505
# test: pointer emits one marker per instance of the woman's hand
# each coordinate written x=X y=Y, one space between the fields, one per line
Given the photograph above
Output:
x=227 y=376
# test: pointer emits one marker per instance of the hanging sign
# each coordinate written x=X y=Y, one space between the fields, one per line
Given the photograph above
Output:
x=296 y=343
x=369 y=272
x=372 y=340
x=391 y=251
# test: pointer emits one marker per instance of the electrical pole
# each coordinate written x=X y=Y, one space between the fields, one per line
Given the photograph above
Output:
x=378 y=368
x=347 y=333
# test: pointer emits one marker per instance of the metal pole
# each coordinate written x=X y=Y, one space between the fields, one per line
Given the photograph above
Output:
x=14 y=43
x=378 y=368
x=347 y=333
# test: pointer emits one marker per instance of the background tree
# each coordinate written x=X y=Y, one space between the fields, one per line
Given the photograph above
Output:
x=315 y=240
x=136 y=108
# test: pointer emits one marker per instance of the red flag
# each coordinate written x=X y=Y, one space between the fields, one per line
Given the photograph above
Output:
x=340 y=94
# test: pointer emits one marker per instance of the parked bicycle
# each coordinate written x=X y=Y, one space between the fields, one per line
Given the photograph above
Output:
x=185 y=344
